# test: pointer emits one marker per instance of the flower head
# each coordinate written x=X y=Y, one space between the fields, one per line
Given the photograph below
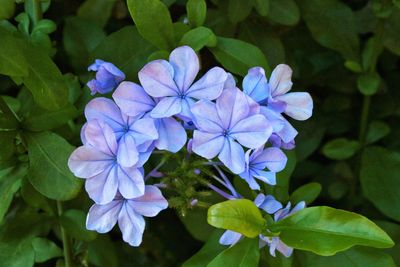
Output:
x=129 y=214
x=108 y=76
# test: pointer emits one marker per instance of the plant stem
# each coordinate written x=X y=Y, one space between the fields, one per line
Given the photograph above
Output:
x=65 y=239
x=364 y=119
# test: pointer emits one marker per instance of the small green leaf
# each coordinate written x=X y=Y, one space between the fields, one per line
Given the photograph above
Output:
x=74 y=223
x=196 y=12
x=153 y=22
x=160 y=54
x=285 y=12
x=262 y=7
x=238 y=56
x=368 y=83
x=239 y=215
x=246 y=253
x=98 y=11
x=340 y=148
x=376 y=131
x=48 y=172
x=45 y=249
x=198 y=38
x=238 y=10
x=7 y=9
x=353 y=66
x=308 y=193
x=45 y=26
x=326 y=231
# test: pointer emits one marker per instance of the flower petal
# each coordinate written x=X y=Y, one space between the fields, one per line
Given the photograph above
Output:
x=130 y=182
x=102 y=218
x=151 y=203
x=210 y=86
x=99 y=135
x=276 y=120
x=299 y=105
x=167 y=107
x=280 y=81
x=132 y=99
x=172 y=135
x=186 y=66
x=232 y=107
x=252 y=132
x=156 y=78
x=230 y=238
x=127 y=154
x=255 y=84
x=232 y=155
x=102 y=188
x=143 y=130
x=104 y=109
x=273 y=158
x=131 y=225
x=205 y=117
x=284 y=249
x=267 y=203
x=207 y=145
x=287 y=133
x=266 y=177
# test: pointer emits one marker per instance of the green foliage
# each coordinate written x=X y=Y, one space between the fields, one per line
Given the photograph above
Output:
x=340 y=148
x=74 y=223
x=196 y=12
x=308 y=193
x=198 y=38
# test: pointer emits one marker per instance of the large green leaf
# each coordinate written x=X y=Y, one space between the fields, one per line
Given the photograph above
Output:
x=326 y=231
x=238 y=10
x=391 y=34
x=380 y=175
x=98 y=11
x=45 y=249
x=239 y=215
x=238 y=56
x=48 y=172
x=246 y=253
x=285 y=12
x=153 y=22
x=12 y=58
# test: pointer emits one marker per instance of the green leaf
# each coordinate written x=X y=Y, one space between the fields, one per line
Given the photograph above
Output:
x=17 y=254
x=326 y=231
x=368 y=83
x=196 y=12
x=7 y=144
x=45 y=249
x=391 y=34
x=355 y=257
x=308 y=192
x=238 y=10
x=332 y=25
x=376 y=131
x=262 y=7
x=246 y=253
x=98 y=11
x=12 y=58
x=380 y=170
x=126 y=49
x=33 y=198
x=7 y=9
x=153 y=22
x=208 y=252
x=45 y=26
x=102 y=252
x=74 y=223
x=48 y=172
x=281 y=189
x=285 y=12
x=198 y=38
x=340 y=148
x=160 y=54
x=239 y=215
x=238 y=56
x=353 y=66
x=81 y=37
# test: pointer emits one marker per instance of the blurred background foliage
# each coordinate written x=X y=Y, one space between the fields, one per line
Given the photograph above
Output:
x=345 y=53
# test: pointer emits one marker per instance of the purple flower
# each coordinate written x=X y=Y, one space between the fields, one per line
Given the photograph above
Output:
x=108 y=76
x=98 y=163
x=266 y=203
x=276 y=141
x=274 y=99
x=129 y=214
x=272 y=158
x=134 y=101
x=275 y=243
x=223 y=126
x=134 y=136
x=172 y=81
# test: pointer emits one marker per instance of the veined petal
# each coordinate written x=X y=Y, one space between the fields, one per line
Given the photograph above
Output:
x=299 y=105
x=232 y=155
x=167 y=107
x=280 y=81
x=273 y=158
x=232 y=107
x=266 y=177
x=207 y=145
x=230 y=81
x=127 y=154
x=143 y=130
x=130 y=182
x=186 y=114
x=151 y=203
x=205 y=117
x=132 y=99
x=102 y=218
x=276 y=119
x=210 y=86
x=157 y=80
x=172 y=135
x=99 y=135
x=104 y=109
x=131 y=225
x=287 y=133
x=255 y=84
x=284 y=249
x=186 y=66
x=267 y=203
x=102 y=188
x=252 y=132
x=230 y=238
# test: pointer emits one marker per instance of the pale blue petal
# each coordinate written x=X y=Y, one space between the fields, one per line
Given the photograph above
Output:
x=232 y=155
x=205 y=117
x=210 y=86
x=280 y=81
x=131 y=225
x=130 y=182
x=207 y=145
x=230 y=238
x=272 y=158
x=102 y=188
x=252 y=132
x=102 y=218
x=143 y=130
x=167 y=107
x=232 y=107
x=266 y=177
x=172 y=135
x=101 y=136
x=104 y=109
x=255 y=84
x=151 y=203
x=127 y=155
x=299 y=105
x=186 y=66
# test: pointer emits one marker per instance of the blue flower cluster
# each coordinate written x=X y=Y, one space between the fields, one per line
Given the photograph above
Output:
x=121 y=134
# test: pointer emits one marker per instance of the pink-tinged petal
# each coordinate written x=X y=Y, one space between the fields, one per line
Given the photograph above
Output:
x=272 y=158
x=299 y=105
x=172 y=135
x=210 y=86
x=99 y=135
x=157 y=79
x=104 y=109
x=131 y=225
x=130 y=182
x=143 y=130
x=254 y=106
x=276 y=119
x=207 y=145
x=205 y=117
x=287 y=133
x=167 y=107
x=280 y=81
x=232 y=107
x=230 y=238
x=252 y=132
x=150 y=204
x=102 y=188
x=232 y=155
x=86 y=162
x=127 y=154
x=132 y=99
x=186 y=66
x=82 y=134
x=102 y=218
x=255 y=84
x=230 y=81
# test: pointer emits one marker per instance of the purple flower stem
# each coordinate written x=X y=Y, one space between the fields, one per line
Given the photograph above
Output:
x=222 y=193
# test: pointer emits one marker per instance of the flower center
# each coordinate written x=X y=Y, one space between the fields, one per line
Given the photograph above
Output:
x=225 y=133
